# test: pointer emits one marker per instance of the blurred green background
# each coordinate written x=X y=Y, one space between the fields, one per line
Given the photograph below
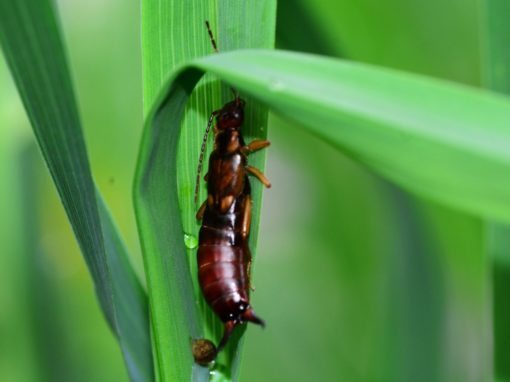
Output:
x=357 y=280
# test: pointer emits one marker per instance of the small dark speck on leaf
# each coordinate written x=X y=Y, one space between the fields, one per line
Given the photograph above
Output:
x=204 y=351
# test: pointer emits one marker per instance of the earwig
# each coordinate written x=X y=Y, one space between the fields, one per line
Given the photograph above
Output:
x=223 y=255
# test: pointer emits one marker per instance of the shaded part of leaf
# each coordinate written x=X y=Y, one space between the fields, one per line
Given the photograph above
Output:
x=35 y=54
x=131 y=304
x=498 y=248
x=161 y=233
x=303 y=35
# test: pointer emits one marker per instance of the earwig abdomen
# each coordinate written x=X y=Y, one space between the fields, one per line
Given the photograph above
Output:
x=223 y=255
x=223 y=260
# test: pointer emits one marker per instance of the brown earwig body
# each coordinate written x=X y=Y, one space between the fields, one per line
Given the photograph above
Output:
x=223 y=254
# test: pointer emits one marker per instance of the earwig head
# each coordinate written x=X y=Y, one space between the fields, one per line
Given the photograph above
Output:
x=231 y=115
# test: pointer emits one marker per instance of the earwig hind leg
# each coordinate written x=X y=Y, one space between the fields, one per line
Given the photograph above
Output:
x=201 y=210
x=259 y=175
x=229 y=329
x=225 y=203
x=248 y=271
x=245 y=229
x=255 y=145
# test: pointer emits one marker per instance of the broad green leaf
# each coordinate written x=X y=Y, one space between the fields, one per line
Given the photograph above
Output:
x=31 y=42
x=430 y=137
x=174 y=32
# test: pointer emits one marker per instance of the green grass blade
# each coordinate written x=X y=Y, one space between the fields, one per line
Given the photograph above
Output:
x=431 y=137
x=131 y=304
x=173 y=32
x=496 y=76
x=31 y=42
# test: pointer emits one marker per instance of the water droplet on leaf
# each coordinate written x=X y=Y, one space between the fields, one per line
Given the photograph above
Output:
x=190 y=241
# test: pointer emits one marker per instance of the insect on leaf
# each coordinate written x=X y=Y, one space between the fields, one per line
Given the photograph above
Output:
x=174 y=32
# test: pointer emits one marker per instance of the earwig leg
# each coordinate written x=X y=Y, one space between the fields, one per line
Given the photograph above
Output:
x=259 y=175
x=255 y=145
x=201 y=210
x=248 y=271
x=245 y=229
x=206 y=177
x=229 y=329
x=226 y=203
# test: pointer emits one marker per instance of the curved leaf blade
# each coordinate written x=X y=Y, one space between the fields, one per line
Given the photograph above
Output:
x=431 y=137
x=31 y=42
x=174 y=32
x=443 y=141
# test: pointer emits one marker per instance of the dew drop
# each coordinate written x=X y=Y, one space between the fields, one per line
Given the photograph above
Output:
x=190 y=241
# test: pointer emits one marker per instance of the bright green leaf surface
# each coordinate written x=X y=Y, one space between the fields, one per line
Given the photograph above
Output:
x=31 y=42
x=431 y=137
x=174 y=32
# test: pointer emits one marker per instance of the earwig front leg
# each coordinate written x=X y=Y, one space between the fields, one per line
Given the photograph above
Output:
x=259 y=175
x=257 y=144
x=201 y=210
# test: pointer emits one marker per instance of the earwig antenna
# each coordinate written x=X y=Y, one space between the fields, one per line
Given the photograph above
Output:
x=211 y=36
x=216 y=50
x=202 y=152
x=235 y=93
